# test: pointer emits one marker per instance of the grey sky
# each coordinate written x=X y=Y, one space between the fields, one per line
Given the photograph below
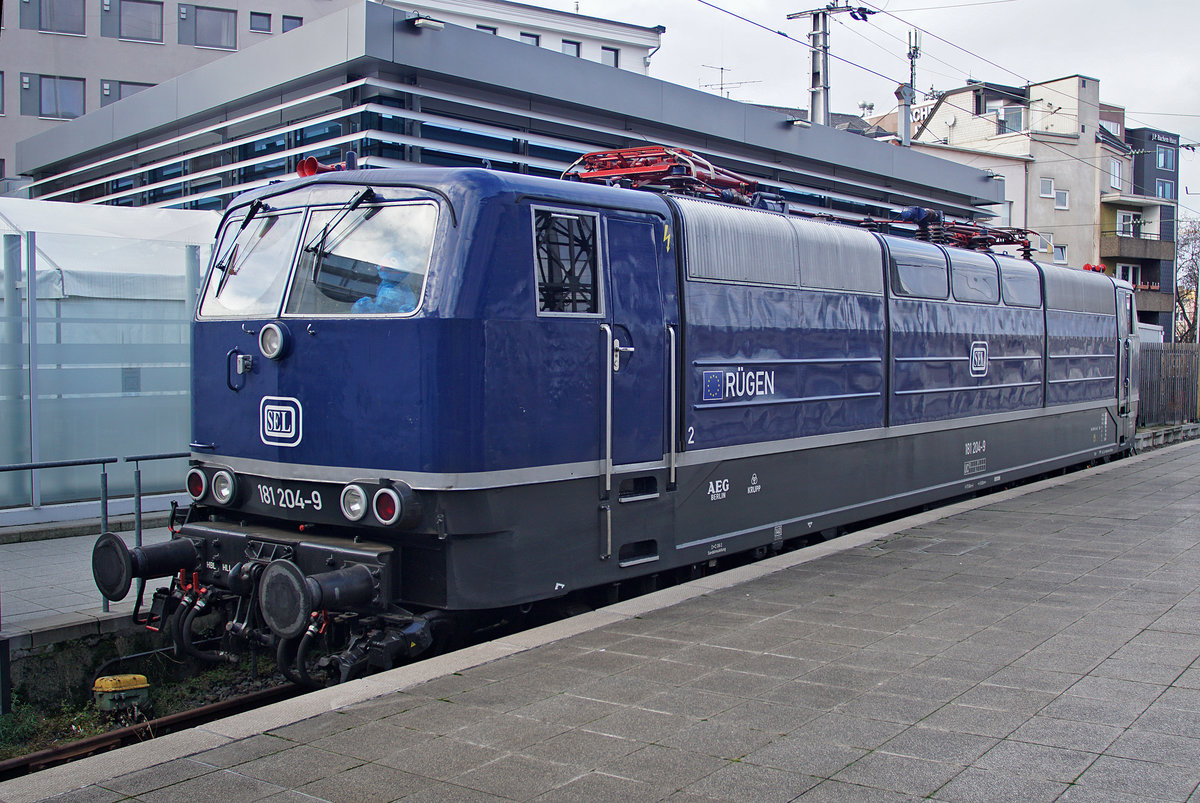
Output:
x=1144 y=54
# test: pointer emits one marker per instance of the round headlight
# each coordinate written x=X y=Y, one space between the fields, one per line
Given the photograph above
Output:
x=273 y=341
x=196 y=484
x=354 y=502
x=387 y=506
x=224 y=487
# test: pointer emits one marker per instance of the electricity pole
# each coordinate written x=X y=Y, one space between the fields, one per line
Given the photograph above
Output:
x=819 y=45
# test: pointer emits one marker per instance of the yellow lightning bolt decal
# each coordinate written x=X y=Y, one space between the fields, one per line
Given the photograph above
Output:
x=667 y=236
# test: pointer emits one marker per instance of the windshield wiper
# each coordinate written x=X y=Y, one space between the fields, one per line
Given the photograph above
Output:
x=257 y=206
x=318 y=241
x=231 y=269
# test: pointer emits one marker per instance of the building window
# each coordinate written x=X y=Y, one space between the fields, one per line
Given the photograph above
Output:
x=1062 y=199
x=56 y=16
x=141 y=20
x=1047 y=188
x=1129 y=224
x=260 y=22
x=291 y=23
x=486 y=29
x=112 y=91
x=1060 y=255
x=1012 y=120
x=1130 y=273
x=531 y=39
x=207 y=27
x=1114 y=173
x=1009 y=118
x=1 y=95
x=610 y=56
x=1164 y=189
x=566 y=262
x=60 y=98
x=1166 y=158
x=571 y=48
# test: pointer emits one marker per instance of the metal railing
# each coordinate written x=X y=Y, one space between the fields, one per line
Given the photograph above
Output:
x=1135 y=234
x=1169 y=389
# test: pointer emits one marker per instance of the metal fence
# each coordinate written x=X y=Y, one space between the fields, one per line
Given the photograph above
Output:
x=1170 y=384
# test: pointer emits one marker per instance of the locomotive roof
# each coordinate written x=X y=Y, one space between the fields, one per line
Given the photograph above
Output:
x=1066 y=286
x=460 y=184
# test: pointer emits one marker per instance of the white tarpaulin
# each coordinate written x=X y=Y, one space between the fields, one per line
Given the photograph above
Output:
x=109 y=251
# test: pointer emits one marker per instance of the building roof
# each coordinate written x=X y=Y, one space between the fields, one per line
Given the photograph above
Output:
x=374 y=40
x=473 y=7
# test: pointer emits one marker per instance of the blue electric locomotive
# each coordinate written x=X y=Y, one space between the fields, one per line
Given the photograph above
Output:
x=425 y=391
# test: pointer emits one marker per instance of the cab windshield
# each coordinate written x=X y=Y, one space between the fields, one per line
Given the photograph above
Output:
x=371 y=261
x=362 y=258
x=251 y=266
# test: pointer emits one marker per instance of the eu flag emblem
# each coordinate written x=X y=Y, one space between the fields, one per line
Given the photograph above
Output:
x=714 y=389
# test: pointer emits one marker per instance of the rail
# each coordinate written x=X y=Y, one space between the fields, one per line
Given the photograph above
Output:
x=140 y=732
x=103 y=463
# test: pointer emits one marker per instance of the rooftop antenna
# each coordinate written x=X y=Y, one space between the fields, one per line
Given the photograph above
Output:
x=722 y=84
x=914 y=53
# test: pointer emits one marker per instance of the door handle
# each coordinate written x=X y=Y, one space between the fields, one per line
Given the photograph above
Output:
x=618 y=350
x=237 y=364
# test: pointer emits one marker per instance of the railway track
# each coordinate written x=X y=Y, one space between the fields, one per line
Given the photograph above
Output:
x=142 y=731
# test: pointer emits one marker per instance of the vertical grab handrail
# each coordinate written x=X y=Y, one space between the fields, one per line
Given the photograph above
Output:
x=673 y=403
x=606 y=358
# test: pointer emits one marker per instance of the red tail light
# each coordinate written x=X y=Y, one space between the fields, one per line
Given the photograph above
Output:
x=387 y=506
x=196 y=484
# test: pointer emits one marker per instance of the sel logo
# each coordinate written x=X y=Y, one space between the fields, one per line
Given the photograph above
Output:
x=280 y=421
x=979 y=358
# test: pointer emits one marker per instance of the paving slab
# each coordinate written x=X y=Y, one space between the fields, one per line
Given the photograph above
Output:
x=1038 y=644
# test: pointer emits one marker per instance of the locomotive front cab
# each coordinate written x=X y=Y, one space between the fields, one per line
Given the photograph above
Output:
x=311 y=313
x=306 y=385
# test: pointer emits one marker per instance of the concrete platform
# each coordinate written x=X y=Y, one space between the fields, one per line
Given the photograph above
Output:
x=47 y=594
x=1035 y=645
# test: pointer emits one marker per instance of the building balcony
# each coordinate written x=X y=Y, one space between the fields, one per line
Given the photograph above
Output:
x=1153 y=301
x=1114 y=245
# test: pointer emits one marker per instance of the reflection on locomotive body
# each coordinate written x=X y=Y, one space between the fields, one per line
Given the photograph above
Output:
x=422 y=394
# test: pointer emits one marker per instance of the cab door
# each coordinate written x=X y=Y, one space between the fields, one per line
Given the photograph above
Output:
x=1128 y=355
x=636 y=346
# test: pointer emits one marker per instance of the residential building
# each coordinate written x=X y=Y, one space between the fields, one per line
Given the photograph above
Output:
x=371 y=79
x=61 y=59
x=1095 y=193
x=1138 y=230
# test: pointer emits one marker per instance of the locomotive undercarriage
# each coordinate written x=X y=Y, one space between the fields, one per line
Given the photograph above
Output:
x=320 y=604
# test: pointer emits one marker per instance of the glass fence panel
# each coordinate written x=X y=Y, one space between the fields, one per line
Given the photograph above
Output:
x=110 y=341
x=14 y=377
x=112 y=361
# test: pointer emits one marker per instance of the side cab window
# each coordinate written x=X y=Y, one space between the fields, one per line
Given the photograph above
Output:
x=567 y=257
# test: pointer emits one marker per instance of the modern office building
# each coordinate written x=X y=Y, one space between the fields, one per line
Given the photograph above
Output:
x=371 y=78
x=60 y=59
